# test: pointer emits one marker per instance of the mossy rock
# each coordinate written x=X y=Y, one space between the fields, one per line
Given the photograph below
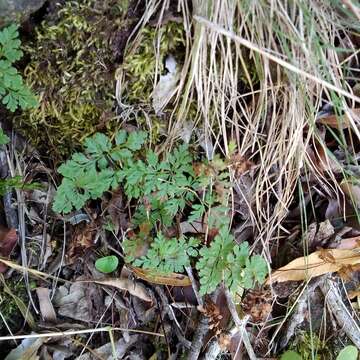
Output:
x=71 y=68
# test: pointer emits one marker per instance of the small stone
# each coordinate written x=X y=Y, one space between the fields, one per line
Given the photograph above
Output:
x=17 y=10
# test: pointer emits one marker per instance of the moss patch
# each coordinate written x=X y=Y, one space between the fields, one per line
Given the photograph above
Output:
x=140 y=64
x=71 y=68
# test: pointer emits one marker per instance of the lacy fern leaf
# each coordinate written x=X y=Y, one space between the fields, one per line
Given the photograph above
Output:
x=13 y=92
x=228 y=262
x=168 y=255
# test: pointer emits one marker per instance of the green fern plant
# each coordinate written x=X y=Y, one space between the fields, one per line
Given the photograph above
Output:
x=167 y=185
x=89 y=174
x=162 y=188
x=13 y=92
x=168 y=255
x=226 y=261
x=15 y=182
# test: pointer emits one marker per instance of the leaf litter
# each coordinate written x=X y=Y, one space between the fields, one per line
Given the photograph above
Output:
x=147 y=234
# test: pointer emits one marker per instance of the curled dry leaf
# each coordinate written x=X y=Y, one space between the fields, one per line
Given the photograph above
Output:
x=8 y=240
x=133 y=287
x=339 y=122
x=316 y=264
x=171 y=279
x=27 y=350
x=46 y=307
x=352 y=190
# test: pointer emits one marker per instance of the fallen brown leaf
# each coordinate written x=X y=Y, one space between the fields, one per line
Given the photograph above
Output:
x=349 y=243
x=133 y=287
x=8 y=240
x=46 y=307
x=171 y=279
x=352 y=190
x=315 y=265
x=338 y=122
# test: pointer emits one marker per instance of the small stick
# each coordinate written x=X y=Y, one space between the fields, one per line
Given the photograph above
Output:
x=340 y=311
x=198 y=338
x=194 y=285
x=241 y=325
x=75 y=332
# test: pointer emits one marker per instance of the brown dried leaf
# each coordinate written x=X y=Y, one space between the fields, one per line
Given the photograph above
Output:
x=8 y=240
x=133 y=287
x=339 y=122
x=116 y=211
x=171 y=279
x=314 y=265
x=352 y=190
x=46 y=307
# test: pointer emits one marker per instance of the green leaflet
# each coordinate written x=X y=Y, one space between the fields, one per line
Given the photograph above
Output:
x=107 y=264
x=168 y=255
x=290 y=355
x=349 y=352
x=228 y=262
x=89 y=174
x=4 y=139
x=13 y=92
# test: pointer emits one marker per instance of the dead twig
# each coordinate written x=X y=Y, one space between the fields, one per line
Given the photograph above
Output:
x=298 y=315
x=241 y=325
x=75 y=332
x=198 y=338
x=340 y=311
x=194 y=285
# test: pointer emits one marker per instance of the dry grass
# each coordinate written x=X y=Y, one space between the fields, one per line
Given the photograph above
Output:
x=294 y=57
x=285 y=54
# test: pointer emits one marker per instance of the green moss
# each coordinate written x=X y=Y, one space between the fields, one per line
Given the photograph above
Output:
x=311 y=347
x=140 y=64
x=8 y=306
x=71 y=68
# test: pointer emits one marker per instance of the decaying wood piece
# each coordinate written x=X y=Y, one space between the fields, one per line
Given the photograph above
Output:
x=297 y=316
x=340 y=311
